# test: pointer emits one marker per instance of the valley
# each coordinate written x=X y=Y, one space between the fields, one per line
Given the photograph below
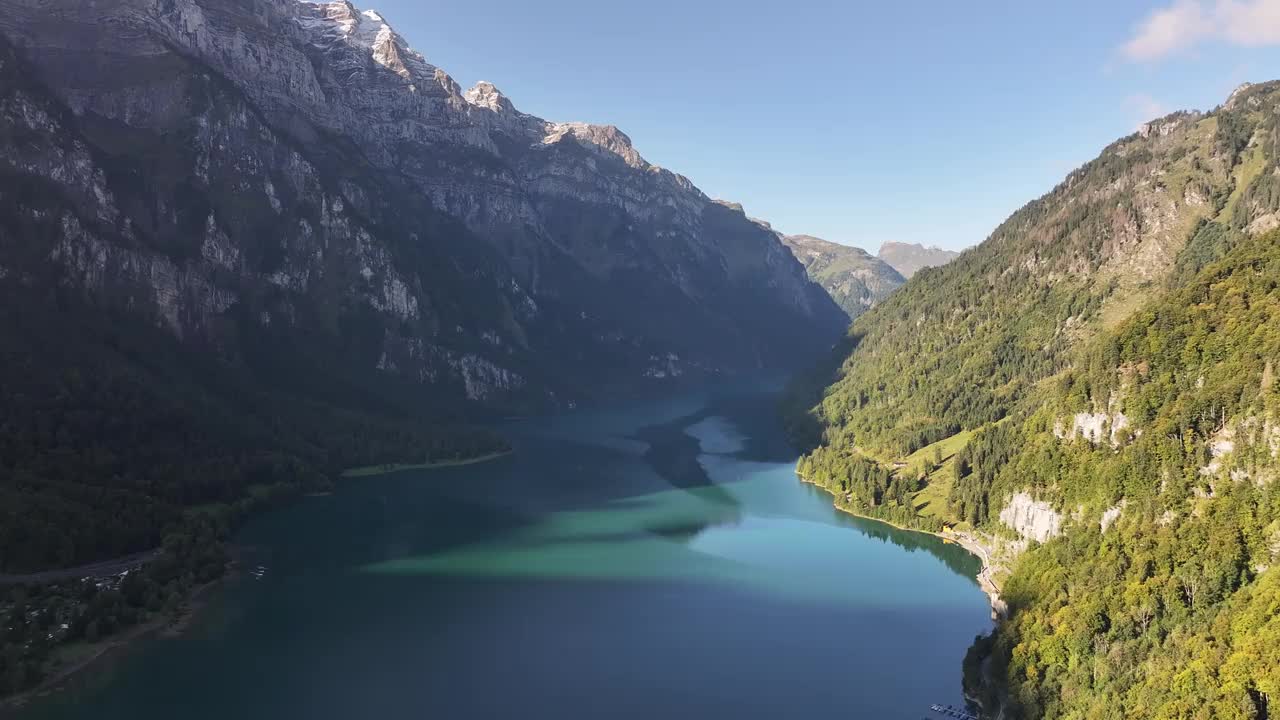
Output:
x=589 y=568
x=246 y=248
x=332 y=387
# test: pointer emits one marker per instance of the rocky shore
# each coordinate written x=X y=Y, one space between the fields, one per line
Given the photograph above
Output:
x=985 y=549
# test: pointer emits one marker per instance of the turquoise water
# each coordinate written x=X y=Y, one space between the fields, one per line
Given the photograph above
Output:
x=655 y=560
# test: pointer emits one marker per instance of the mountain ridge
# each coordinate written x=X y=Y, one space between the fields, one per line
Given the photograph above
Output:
x=910 y=258
x=854 y=278
x=245 y=246
x=274 y=227
x=570 y=218
x=1091 y=392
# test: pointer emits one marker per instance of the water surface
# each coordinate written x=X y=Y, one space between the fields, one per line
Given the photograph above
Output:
x=653 y=561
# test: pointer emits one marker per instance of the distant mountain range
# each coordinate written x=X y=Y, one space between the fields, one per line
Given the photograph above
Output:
x=855 y=279
x=910 y=258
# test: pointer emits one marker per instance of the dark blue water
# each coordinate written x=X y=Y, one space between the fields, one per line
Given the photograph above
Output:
x=653 y=561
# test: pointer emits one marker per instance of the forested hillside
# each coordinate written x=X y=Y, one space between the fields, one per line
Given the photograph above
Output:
x=959 y=345
x=1093 y=390
x=116 y=439
x=104 y=443
x=1160 y=600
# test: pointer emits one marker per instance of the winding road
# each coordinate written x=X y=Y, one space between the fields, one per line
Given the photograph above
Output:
x=103 y=568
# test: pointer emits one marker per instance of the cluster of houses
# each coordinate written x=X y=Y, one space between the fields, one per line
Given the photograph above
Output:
x=61 y=605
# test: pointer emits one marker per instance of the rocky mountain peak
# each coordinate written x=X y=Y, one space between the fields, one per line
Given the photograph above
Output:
x=486 y=95
x=341 y=25
x=1235 y=95
x=343 y=14
x=369 y=32
x=606 y=138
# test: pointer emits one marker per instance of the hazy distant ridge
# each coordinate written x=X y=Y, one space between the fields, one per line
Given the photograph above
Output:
x=910 y=258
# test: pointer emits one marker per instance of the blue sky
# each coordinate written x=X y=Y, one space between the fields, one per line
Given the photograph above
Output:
x=913 y=121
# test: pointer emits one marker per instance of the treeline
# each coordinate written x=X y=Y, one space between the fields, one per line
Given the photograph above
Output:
x=115 y=439
x=110 y=428
x=976 y=466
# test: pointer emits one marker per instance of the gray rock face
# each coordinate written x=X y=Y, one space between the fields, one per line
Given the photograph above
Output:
x=1032 y=519
x=1109 y=516
x=279 y=169
x=911 y=258
x=1095 y=427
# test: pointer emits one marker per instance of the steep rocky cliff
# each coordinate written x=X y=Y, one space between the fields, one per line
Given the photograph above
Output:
x=291 y=186
x=855 y=279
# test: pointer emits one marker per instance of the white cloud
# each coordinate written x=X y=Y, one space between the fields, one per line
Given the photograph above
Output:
x=1186 y=23
x=1167 y=30
x=1251 y=24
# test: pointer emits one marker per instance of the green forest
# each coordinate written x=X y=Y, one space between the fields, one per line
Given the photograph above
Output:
x=1158 y=599
x=115 y=438
x=1170 y=611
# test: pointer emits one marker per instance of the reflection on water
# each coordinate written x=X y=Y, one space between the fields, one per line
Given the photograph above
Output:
x=655 y=561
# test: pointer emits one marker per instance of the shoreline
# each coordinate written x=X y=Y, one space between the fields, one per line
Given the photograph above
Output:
x=169 y=626
x=97 y=653
x=375 y=470
x=969 y=541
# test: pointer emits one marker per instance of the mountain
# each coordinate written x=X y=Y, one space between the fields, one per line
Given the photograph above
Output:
x=275 y=172
x=1090 y=394
x=853 y=278
x=911 y=258
x=244 y=245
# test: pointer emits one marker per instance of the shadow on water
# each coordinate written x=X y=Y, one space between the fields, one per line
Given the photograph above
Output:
x=686 y=492
x=661 y=561
x=673 y=454
x=715 y=460
x=675 y=446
